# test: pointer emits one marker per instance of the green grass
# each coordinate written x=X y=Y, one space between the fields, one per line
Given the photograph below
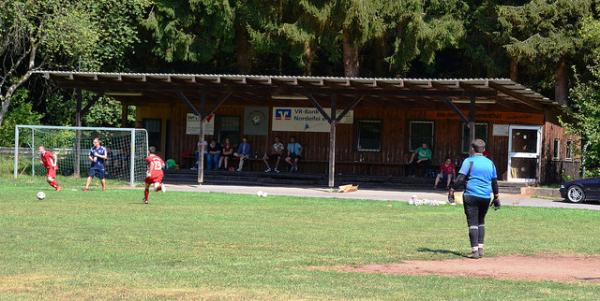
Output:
x=96 y=245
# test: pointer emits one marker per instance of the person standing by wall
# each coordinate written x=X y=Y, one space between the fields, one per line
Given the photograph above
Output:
x=478 y=174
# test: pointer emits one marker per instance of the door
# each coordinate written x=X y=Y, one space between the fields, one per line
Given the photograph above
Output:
x=524 y=151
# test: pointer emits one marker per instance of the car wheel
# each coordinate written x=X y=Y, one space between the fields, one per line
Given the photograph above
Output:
x=575 y=194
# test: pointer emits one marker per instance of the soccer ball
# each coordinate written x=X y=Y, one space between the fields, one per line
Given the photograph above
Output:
x=40 y=195
x=259 y=193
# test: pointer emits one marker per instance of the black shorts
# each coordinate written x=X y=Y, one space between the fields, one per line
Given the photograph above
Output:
x=274 y=156
x=475 y=209
x=97 y=172
x=294 y=157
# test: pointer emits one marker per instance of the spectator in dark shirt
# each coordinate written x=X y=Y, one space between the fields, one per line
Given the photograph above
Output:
x=226 y=154
x=213 y=156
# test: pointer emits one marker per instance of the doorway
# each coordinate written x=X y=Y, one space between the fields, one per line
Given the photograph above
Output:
x=524 y=151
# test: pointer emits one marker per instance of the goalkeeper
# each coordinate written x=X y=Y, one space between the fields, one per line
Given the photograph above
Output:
x=478 y=174
x=98 y=156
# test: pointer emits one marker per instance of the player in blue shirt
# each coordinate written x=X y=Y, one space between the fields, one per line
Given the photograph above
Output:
x=478 y=174
x=97 y=155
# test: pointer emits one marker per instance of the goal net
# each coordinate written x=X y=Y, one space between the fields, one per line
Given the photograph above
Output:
x=126 y=150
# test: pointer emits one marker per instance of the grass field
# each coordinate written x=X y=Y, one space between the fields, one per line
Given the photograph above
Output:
x=95 y=245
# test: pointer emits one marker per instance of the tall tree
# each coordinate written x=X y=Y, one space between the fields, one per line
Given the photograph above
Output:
x=61 y=34
x=546 y=33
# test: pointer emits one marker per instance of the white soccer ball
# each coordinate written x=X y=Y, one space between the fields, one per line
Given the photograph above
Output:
x=259 y=193
x=265 y=194
x=40 y=195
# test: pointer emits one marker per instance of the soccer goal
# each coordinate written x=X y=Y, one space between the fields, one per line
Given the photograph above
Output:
x=126 y=150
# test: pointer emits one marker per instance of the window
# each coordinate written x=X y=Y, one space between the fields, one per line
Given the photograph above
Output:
x=481 y=132
x=569 y=150
x=369 y=135
x=420 y=132
x=228 y=127
x=556 y=150
x=153 y=127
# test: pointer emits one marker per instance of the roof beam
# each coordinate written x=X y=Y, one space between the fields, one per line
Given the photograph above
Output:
x=518 y=97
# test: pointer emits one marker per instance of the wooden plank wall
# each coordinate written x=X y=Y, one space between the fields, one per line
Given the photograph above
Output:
x=395 y=122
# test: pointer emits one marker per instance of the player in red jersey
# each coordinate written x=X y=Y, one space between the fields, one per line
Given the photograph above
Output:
x=154 y=174
x=48 y=159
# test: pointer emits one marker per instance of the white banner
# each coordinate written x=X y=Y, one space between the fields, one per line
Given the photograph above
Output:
x=304 y=119
x=192 y=125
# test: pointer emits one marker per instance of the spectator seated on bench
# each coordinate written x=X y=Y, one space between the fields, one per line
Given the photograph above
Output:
x=213 y=155
x=275 y=153
x=447 y=174
x=226 y=154
x=243 y=153
x=294 y=154
x=420 y=161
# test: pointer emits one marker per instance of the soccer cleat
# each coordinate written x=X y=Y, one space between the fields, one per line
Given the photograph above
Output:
x=480 y=251
x=276 y=170
x=268 y=170
x=145 y=201
x=163 y=188
x=58 y=188
x=86 y=189
x=474 y=255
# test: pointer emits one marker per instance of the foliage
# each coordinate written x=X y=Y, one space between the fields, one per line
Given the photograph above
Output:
x=107 y=112
x=89 y=34
x=19 y=113
x=584 y=119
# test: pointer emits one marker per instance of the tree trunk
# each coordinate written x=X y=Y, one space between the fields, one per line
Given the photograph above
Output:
x=381 y=67
x=308 y=55
x=561 y=83
x=351 y=67
x=242 y=49
x=514 y=70
x=5 y=99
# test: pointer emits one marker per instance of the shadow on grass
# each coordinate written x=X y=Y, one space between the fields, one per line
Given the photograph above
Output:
x=440 y=251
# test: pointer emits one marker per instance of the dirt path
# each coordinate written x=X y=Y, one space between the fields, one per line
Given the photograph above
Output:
x=544 y=268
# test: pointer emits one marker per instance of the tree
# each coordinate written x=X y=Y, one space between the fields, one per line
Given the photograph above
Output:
x=546 y=34
x=584 y=117
x=52 y=33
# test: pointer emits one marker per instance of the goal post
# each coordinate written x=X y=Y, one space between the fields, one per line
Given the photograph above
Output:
x=126 y=150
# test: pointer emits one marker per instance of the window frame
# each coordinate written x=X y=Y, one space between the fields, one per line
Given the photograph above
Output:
x=462 y=134
x=410 y=125
x=569 y=150
x=556 y=149
x=357 y=135
x=158 y=145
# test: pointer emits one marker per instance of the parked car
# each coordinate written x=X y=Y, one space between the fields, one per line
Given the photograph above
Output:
x=582 y=190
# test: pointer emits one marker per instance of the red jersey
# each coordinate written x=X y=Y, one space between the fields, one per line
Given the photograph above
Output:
x=155 y=165
x=48 y=160
x=447 y=169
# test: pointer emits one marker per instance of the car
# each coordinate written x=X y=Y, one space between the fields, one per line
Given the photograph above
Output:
x=579 y=191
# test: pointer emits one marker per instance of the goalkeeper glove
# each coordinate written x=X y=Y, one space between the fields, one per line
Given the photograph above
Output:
x=496 y=203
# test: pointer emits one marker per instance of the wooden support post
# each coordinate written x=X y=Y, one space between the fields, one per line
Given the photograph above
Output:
x=124 y=114
x=472 y=113
x=201 y=145
x=332 y=134
x=456 y=110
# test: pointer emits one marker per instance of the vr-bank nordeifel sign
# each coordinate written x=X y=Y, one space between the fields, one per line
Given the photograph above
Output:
x=304 y=119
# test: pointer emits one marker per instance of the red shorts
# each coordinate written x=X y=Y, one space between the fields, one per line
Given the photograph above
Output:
x=51 y=173
x=154 y=179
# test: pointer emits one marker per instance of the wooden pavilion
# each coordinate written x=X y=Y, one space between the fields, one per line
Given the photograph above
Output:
x=366 y=126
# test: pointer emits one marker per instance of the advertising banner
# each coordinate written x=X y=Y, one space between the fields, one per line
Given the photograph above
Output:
x=192 y=125
x=304 y=119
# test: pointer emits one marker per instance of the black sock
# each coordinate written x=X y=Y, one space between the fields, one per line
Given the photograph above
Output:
x=481 y=234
